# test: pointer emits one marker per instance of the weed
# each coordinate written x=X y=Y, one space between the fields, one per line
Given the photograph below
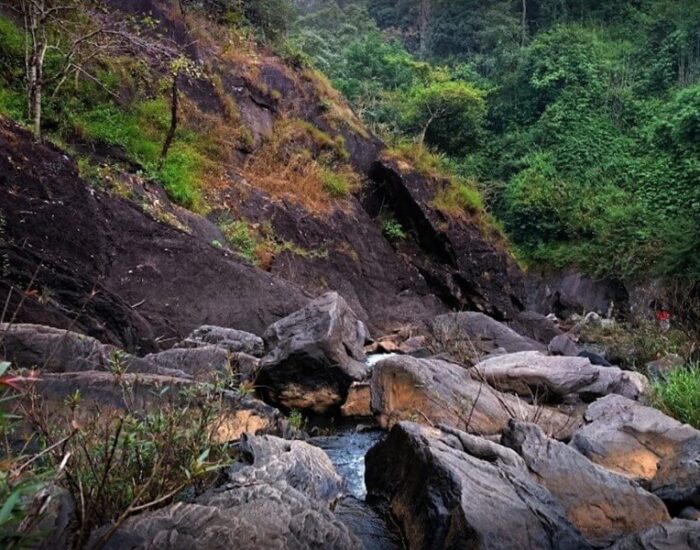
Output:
x=240 y=237
x=296 y=419
x=678 y=394
x=393 y=230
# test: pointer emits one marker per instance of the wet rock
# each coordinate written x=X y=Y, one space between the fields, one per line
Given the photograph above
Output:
x=601 y=504
x=665 y=365
x=677 y=479
x=671 y=535
x=595 y=358
x=358 y=402
x=484 y=334
x=367 y=525
x=443 y=497
x=563 y=344
x=257 y=517
x=531 y=373
x=314 y=356
x=627 y=437
x=430 y=390
x=228 y=338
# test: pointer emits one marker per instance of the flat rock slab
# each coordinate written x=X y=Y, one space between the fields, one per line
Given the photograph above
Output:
x=444 y=497
x=535 y=375
x=603 y=505
x=435 y=391
x=314 y=356
x=628 y=437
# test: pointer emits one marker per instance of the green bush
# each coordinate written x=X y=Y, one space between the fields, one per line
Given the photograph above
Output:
x=678 y=394
x=393 y=230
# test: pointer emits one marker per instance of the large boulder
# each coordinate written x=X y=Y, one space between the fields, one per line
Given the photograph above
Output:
x=533 y=374
x=452 y=491
x=268 y=459
x=628 y=437
x=277 y=496
x=435 y=391
x=233 y=340
x=314 y=356
x=677 y=479
x=603 y=505
x=677 y=534
x=258 y=517
x=536 y=326
x=367 y=525
x=484 y=334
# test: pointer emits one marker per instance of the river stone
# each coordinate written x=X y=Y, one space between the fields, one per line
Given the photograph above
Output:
x=630 y=438
x=677 y=534
x=603 y=505
x=201 y=363
x=237 y=341
x=314 y=356
x=435 y=391
x=531 y=373
x=269 y=459
x=443 y=497
x=485 y=334
x=257 y=517
x=677 y=479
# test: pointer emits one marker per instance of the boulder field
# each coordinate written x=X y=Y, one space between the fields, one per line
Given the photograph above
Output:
x=521 y=450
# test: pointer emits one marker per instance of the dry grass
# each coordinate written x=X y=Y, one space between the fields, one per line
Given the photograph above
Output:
x=296 y=166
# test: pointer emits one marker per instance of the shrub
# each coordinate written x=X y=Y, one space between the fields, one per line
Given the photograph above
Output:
x=240 y=238
x=393 y=230
x=296 y=419
x=678 y=394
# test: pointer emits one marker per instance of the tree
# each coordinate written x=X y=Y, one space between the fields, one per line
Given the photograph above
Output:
x=53 y=27
x=448 y=115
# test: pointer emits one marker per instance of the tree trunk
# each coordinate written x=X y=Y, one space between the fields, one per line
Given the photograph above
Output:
x=174 y=106
x=424 y=23
x=524 y=24
x=424 y=131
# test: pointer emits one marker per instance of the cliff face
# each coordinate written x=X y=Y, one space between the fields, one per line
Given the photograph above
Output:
x=159 y=270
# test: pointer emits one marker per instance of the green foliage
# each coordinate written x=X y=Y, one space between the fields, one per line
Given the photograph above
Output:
x=393 y=230
x=678 y=394
x=296 y=419
x=241 y=238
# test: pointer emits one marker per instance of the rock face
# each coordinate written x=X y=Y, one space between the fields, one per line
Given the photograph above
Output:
x=443 y=496
x=441 y=392
x=277 y=498
x=603 y=505
x=677 y=533
x=553 y=378
x=677 y=479
x=77 y=240
x=482 y=332
x=236 y=341
x=314 y=356
x=463 y=268
x=627 y=437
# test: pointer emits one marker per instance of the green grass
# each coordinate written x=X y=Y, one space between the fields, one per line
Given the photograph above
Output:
x=457 y=198
x=678 y=394
x=241 y=239
x=336 y=184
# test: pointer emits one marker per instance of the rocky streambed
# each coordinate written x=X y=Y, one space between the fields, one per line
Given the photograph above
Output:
x=525 y=447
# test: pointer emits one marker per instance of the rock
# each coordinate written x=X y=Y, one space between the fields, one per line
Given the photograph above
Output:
x=671 y=535
x=484 y=334
x=532 y=374
x=104 y=392
x=665 y=365
x=603 y=505
x=231 y=339
x=690 y=513
x=629 y=438
x=563 y=344
x=259 y=517
x=443 y=497
x=358 y=402
x=536 y=326
x=202 y=363
x=268 y=460
x=595 y=358
x=429 y=390
x=367 y=525
x=677 y=479
x=314 y=356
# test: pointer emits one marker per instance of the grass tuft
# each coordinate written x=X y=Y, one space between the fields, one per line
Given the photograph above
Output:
x=678 y=394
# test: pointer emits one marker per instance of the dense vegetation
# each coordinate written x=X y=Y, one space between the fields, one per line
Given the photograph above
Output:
x=581 y=120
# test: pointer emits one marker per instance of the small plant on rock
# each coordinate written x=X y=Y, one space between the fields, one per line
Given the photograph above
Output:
x=296 y=419
x=393 y=230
